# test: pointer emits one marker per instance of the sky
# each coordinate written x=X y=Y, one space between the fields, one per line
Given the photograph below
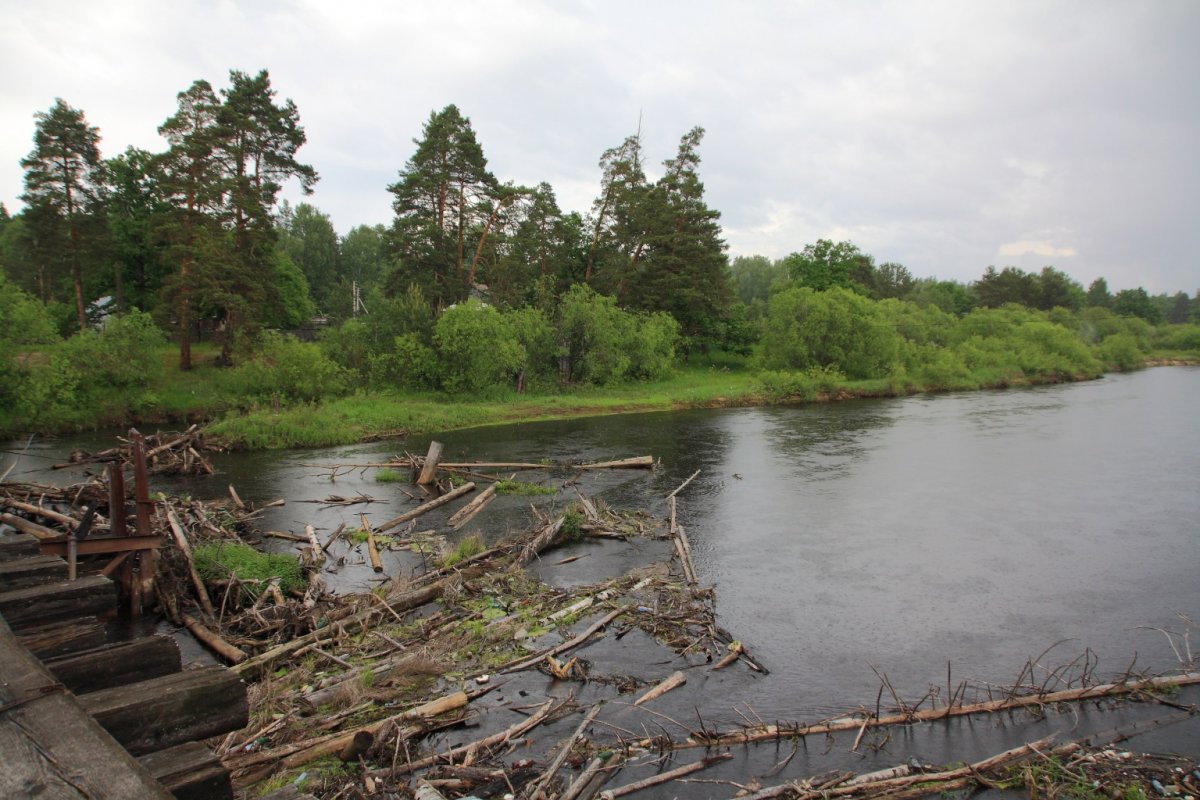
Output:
x=946 y=136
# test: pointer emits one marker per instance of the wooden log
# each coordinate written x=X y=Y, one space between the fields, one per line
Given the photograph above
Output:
x=315 y=552
x=186 y=549
x=213 y=641
x=163 y=712
x=638 y=462
x=763 y=733
x=30 y=607
x=674 y=680
x=63 y=638
x=31 y=571
x=548 y=775
x=425 y=508
x=565 y=646
x=664 y=777
x=468 y=512
x=372 y=548
x=68 y=522
x=189 y=771
x=429 y=466
x=50 y=747
x=540 y=541
x=359 y=743
x=17 y=545
x=116 y=664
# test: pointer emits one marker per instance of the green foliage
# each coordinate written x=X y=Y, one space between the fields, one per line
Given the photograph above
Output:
x=572 y=527
x=283 y=369
x=218 y=561
x=290 y=307
x=535 y=333
x=1178 y=337
x=410 y=365
x=1121 y=351
x=800 y=384
x=595 y=334
x=478 y=352
x=517 y=487
x=23 y=320
x=468 y=547
x=349 y=346
x=826 y=264
x=385 y=475
x=123 y=354
x=835 y=328
x=652 y=347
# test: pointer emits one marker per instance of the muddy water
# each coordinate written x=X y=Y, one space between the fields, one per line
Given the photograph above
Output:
x=901 y=537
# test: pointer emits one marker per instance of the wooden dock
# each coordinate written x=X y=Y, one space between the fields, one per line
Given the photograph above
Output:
x=84 y=718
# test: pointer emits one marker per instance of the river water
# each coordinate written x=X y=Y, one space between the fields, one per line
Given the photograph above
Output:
x=901 y=538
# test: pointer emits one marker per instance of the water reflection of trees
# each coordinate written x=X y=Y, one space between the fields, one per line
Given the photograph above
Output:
x=818 y=443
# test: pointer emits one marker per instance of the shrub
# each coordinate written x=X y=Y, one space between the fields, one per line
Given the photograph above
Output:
x=595 y=335
x=285 y=369
x=409 y=365
x=478 y=352
x=833 y=328
x=800 y=385
x=1121 y=351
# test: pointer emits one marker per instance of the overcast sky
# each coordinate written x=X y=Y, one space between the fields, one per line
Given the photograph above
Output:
x=946 y=136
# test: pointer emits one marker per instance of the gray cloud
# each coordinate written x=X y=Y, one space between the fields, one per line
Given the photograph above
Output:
x=944 y=135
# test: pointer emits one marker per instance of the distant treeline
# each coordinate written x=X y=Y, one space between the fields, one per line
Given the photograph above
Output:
x=478 y=287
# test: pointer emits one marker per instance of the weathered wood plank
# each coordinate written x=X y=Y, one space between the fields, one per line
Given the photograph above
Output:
x=31 y=571
x=163 y=712
x=17 y=545
x=50 y=747
x=37 y=605
x=190 y=772
x=117 y=664
x=61 y=638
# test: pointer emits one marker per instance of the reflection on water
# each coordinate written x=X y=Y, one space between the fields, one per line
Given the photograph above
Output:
x=906 y=536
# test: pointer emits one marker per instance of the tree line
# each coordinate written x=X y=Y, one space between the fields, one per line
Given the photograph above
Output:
x=477 y=282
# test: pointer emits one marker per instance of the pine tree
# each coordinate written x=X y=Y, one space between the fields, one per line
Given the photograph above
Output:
x=62 y=174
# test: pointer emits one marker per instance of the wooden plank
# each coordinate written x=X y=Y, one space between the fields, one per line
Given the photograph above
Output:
x=61 y=638
x=31 y=571
x=87 y=547
x=17 y=545
x=190 y=772
x=116 y=664
x=50 y=747
x=51 y=602
x=163 y=712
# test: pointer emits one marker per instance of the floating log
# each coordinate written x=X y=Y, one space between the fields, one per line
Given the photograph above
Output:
x=213 y=641
x=163 y=712
x=664 y=777
x=427 y=507
x=116 y=664
x=46 y=739
x=31 y=571
x=675 y=679
x=468 y=512
x=565 y=646
x=68 y=522
x=51 y=602
x=315 y=552
x=548 y=775
x=189 y=772
x=430 y=464
x=372 y=548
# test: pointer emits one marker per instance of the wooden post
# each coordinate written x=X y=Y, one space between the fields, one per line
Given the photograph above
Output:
x=429 y=468
x=116 y=500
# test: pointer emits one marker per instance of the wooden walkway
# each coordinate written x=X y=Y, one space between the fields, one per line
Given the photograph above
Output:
x=80 y=718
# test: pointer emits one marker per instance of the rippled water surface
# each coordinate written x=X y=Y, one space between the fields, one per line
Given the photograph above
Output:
x=898 y=537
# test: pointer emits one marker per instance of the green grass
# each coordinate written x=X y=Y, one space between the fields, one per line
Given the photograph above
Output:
x=385 y=475
x=216 y=562
x=517 y=487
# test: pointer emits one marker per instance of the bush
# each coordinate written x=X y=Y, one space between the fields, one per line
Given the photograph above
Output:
x=24 y=320
x=1178 y=337
x=652 y=349
x=283 y=369
x=409 y=365
x=800 y=385
x=478 y=352
x=124 y=353
x=1121 y=352
x=595 y=335
x=833 y=328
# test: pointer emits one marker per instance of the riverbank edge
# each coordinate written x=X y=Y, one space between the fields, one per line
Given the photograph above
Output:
x=267 y=430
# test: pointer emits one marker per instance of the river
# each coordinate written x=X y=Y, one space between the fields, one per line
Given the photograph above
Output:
x=902 y=538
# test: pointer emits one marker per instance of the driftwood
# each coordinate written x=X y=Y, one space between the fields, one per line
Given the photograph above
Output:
x=664 y=777
x=676 y=679
x=764 y=733
x=468 y=512
x=526 y=663
x=213 y=641
x=430 y=465
x=426 y=507
x=548 y=775
x=185 y=549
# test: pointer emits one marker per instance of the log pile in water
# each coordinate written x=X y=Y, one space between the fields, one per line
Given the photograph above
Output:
x=167 y=453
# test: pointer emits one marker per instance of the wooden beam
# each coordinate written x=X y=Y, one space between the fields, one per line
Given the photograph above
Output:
x=89 y=547
x=116 y=664
x=50 y=747
x=31 y=571
x=163 y=712
x=190 y=772
x=27 y=608
x=61 y=638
